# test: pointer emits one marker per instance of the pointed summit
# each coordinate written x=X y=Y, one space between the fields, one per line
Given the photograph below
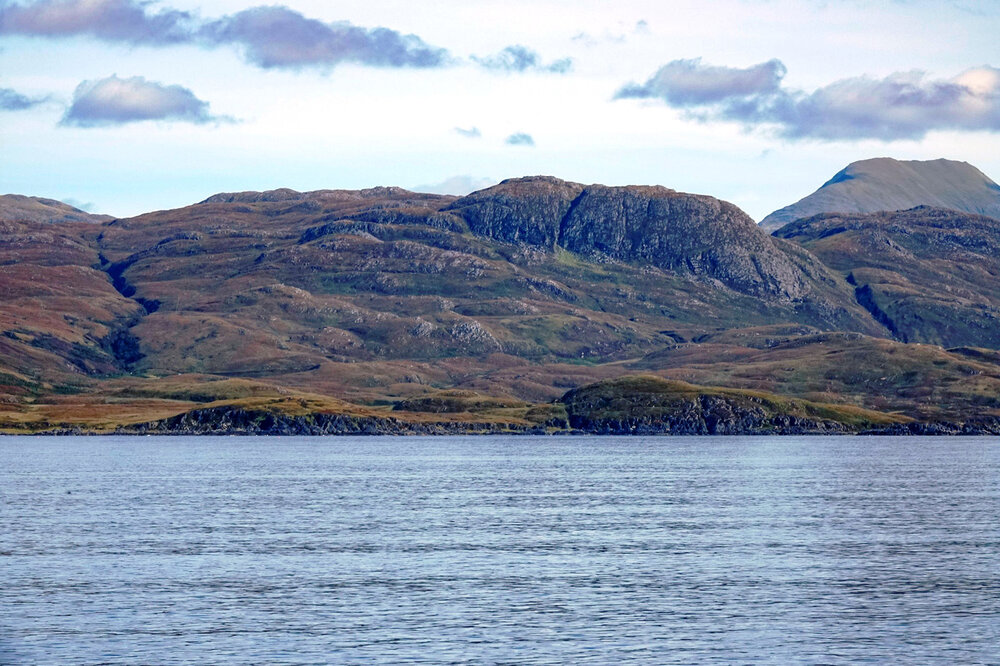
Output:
x=883 y=183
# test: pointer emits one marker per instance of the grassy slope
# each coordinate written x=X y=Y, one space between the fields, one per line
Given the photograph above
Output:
x=922 y=381
x=281 y=302
x=932 y=274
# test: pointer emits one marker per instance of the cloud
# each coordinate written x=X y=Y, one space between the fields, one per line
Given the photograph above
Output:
x=280 y=37
x=270 y=37
x=904 y=105
x=115 y=101
x=641 y=27
x=86 y=207
x=686 y=83
x=470 y=133
x=457 y=185
x=899 y=106
x=11 y=100
x=109 y=20
x=519 y=139
x=519 y=58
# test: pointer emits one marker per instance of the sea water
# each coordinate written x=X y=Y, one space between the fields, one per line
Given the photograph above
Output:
x=528 y=550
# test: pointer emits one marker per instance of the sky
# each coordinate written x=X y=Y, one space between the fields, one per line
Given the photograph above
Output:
x=127 y=106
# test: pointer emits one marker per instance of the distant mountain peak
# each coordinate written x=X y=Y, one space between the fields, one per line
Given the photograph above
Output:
x=285 y=194
x=884 y=183
x=21 y=208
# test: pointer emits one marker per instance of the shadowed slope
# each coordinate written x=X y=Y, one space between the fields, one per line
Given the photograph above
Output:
x=929 y=275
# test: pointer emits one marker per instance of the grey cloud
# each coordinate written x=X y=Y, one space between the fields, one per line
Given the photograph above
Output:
x=470 y=133
x=11 y=100
x=685 y=83
x=904 y=105
x=273 y=36
x=115 y=101
x=269 y=36
x=110 y=20
x=280 y=37
x=900 y=106
x=519 y=139
x=519 y=58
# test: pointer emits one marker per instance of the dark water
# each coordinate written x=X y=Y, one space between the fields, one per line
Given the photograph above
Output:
x=499 y=550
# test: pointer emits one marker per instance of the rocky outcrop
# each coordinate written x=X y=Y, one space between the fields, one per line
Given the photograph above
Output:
x=973 y=427
x=646 y=405
x=650 y=225
x=702 y=415
x=236 y=421
x=684 y=233
x=520 y=210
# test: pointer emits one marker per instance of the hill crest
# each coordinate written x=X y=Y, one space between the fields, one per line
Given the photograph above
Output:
x=884 y=183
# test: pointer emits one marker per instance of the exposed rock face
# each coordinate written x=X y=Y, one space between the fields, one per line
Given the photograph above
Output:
x=520 y=210
x=707 y=415
x=684 y=233
x=886 y=184
x=679 y=232
x=230 y=421
x=973 y=427
x=649 y=405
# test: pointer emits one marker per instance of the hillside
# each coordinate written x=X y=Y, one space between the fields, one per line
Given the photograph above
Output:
x=394 y=311
x=19 y=208
x=271 y=285
x=929 y=275
x=883 y=183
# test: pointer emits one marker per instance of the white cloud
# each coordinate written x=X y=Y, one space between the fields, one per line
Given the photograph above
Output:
x=115 y=101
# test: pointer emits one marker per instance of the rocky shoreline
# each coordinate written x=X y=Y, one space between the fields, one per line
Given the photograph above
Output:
x=225 y=421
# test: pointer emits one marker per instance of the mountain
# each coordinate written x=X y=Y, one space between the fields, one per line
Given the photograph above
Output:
x=929 y=275
x=883 y=183
x=19 y=208
x=385 y=310
x=279 y=282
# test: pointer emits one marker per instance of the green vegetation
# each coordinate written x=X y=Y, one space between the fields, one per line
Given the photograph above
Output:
x=394 y=308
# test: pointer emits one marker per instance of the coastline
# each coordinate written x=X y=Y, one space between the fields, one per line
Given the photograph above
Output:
x=258 y=425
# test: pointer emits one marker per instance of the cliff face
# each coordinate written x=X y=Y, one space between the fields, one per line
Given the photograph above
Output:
x=521 y=210
x=232 y=421
x=682 y=233
x=651 y=405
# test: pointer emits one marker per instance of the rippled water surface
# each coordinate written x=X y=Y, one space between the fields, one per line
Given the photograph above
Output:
x=499 y=550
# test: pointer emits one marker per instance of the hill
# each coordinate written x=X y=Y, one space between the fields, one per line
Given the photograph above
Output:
x=384 y=310
x=883 y=183
x=929 y=275
x=19 y=208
